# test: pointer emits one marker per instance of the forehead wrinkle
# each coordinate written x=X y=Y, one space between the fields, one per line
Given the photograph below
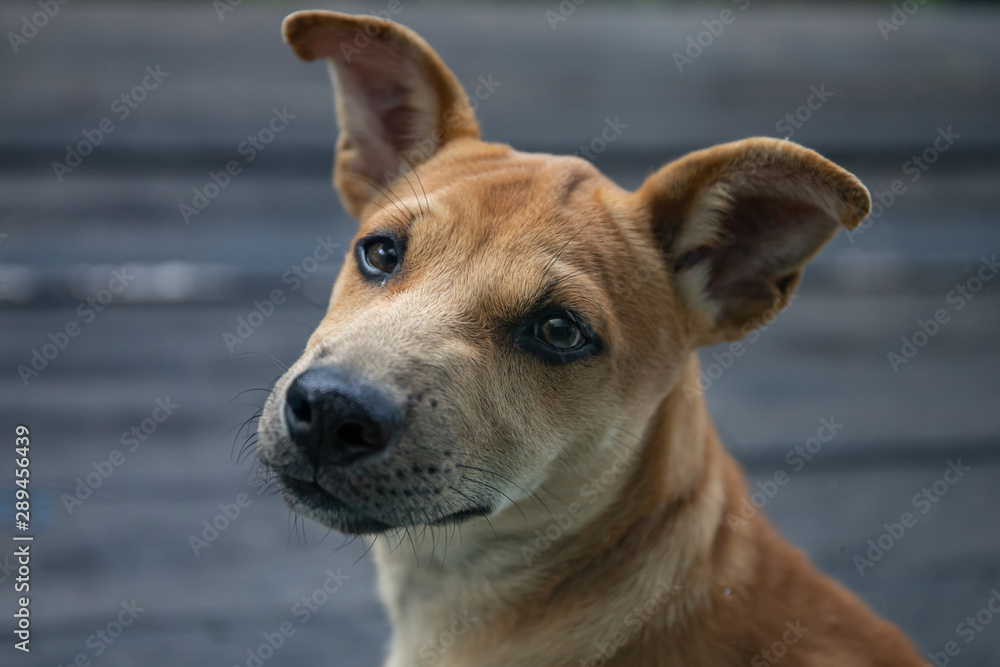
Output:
x=560 y=181
x=494 y=245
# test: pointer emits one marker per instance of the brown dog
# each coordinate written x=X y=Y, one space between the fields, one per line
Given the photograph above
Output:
x=497 y=389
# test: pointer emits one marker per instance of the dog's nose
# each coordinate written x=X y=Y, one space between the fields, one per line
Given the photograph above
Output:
x=338 y=419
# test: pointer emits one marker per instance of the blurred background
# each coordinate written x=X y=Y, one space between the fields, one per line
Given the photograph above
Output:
x=138 y=296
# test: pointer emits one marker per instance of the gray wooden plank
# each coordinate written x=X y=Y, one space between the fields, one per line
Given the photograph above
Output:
x=225 y=76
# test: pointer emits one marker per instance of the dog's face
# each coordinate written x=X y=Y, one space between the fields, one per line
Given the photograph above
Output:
x=499 y=314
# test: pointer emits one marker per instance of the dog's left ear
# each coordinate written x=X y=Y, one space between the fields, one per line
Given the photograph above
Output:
x=396 y=102
x=738 y=222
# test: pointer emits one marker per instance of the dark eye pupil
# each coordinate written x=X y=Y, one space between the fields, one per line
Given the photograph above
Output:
x=382 y=256
x=560 y=332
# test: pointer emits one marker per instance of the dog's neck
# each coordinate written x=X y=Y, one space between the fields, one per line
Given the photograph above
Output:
x=628 y=531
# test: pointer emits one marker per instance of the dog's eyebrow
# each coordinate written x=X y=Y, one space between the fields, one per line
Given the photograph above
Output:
x=563 y=290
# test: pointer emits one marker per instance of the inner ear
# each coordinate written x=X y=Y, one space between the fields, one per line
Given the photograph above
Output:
x=766 y=239
x=738 y=222
x=396 y=102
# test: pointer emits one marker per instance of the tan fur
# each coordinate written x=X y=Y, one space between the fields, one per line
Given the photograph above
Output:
x=561 y=564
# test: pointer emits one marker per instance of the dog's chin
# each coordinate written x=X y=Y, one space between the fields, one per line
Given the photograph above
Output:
x=311 y=501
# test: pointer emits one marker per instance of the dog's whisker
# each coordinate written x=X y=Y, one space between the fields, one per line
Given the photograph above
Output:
x=348 y=541
x=279 y=364
x=569 y=276
x=414 y=547
x=638 y=439
x=427 y=202
x=247 y=391
x=400 y=203
x=327 y=534
x=565 y=245
x=385 y=191
x=422 y=535
x=247 y=447
x=420 y=207
x=542 y=487
x=361 y=557
x=512 y=502
x=246 y=405
x=246 y=424
x=429 y=527
x=444 y=557
x=532 y=496
x=294 y=517
x=390 y=213
x=453 y=488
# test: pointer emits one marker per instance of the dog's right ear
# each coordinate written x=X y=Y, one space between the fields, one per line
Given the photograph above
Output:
x=737 y=224
x=396 y=102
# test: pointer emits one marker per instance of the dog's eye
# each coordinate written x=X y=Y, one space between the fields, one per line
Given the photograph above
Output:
x=378 y=255
x=381 y=255
x=562 y=333
x=557 y=337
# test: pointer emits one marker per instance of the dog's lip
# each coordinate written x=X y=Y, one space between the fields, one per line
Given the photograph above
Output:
x=309 y=489
x=314 y=496
x=462 y=515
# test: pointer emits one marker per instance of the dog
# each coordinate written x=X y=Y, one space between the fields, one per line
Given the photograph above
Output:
x=497 y=389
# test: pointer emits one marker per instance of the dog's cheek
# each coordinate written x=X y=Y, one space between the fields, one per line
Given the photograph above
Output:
x=539 y=411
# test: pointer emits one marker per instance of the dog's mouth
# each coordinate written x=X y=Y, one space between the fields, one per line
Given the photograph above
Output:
x=310 y=499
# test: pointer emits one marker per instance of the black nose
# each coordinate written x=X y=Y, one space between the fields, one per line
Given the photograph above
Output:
x=338 y=419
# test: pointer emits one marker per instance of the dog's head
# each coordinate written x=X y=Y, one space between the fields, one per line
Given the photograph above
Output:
x=500 y=314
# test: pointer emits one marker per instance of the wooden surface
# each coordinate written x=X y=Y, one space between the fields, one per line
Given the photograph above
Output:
x=824 y=358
